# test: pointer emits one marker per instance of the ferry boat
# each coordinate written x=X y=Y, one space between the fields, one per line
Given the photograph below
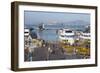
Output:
x=85 y=36
x=26 y=32
x=67 y=35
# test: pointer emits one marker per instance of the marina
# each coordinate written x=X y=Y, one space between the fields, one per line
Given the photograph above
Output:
x=43 y=43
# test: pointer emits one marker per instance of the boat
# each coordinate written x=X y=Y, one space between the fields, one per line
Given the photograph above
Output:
x=85 y=36
x=66 y=35
x=26 y=32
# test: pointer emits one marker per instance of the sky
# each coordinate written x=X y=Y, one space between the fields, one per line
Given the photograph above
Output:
x=36 y=17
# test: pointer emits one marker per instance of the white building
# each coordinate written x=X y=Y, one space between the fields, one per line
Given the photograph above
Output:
x=28 y=39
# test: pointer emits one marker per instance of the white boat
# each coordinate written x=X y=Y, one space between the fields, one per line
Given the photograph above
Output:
x=85 y=35
x=66 y=34
x=26 y=32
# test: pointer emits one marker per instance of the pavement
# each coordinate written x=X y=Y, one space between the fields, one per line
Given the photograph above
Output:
x=52 y=52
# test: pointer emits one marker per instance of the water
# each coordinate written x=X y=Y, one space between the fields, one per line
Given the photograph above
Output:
x=52 y=35
x=48 y=35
